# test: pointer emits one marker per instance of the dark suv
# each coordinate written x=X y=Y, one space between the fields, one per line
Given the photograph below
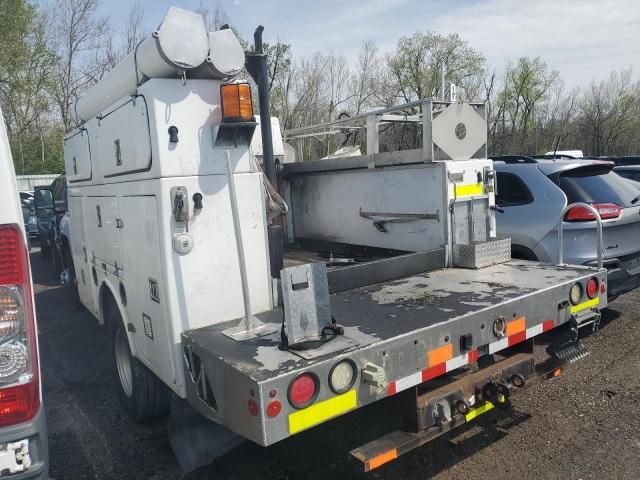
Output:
x=51 y=204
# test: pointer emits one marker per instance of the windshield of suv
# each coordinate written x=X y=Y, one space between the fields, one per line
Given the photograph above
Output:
x=595 y=184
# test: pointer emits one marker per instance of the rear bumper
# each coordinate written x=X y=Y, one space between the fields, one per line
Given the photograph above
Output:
x=623 y=274
x=620 y=281
x=35 y=431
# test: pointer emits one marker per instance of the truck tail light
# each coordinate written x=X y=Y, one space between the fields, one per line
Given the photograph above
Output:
x=236 y=102
x=575 y=294
x=303 y=390
x=19 y=382
x=581 y=214
x=592 y=287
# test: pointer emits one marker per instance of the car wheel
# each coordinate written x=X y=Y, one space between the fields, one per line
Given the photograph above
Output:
x=141 y=393
x=68 y=277
x=57 y=260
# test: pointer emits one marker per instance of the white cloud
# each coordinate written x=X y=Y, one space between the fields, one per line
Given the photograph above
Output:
x=583 y=40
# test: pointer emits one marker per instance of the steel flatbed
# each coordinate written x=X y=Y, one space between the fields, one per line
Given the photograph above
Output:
x=415 y=328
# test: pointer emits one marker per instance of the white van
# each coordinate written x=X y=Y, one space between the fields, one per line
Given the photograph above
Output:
x=23 y=429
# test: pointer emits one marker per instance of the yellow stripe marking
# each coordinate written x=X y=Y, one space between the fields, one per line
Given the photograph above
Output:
x=476 y=412
x=584 y=305
x=468 y=190
x=322 y=411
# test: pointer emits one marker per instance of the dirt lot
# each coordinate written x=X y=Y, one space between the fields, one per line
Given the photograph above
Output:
x=581 y=425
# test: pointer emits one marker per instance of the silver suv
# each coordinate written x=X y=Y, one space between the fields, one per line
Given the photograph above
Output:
x=531 y=194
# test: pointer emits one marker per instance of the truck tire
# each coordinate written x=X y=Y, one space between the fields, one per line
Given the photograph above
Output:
x=141 y=393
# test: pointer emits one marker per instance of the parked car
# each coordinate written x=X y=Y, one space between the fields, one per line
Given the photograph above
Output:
x=23 y=429
x=632 y=172
x=531 y=194
x=51 y=205
x=628 y=160
x=29 y=217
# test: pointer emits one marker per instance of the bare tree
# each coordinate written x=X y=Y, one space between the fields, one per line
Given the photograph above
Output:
x=134 y=32
x=78 y=34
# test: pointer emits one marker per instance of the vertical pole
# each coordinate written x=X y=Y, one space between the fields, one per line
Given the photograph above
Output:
x=373 y=146
x=248 y=317
x=427 y=138
x=442 y=82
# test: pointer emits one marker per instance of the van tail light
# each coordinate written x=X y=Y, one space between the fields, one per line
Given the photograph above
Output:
x=581 y=214
x=19 y=381
x=236 y=102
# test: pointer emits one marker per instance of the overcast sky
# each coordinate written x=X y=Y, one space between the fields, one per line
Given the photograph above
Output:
x=583 y=39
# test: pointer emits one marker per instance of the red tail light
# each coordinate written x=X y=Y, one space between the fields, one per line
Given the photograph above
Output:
x=592 y=287
x=581 y=214
x=303 y=390
x=19 y=382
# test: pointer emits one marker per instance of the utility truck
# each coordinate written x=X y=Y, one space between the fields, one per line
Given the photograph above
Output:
x=261 y=297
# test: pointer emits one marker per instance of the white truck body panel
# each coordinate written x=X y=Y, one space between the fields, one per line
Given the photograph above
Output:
x=129 y=245
x=338 y=205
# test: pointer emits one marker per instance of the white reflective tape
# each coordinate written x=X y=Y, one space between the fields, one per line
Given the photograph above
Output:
x=499 y=345
x=533 y=331
x=408 y=382
x=457 y=362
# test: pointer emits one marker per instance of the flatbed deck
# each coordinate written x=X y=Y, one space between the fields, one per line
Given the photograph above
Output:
x=405 y=318
x=392 y=309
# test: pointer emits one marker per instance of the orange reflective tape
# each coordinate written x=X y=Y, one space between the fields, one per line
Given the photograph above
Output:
x=440 y=354
x=381 y=459
x=516 y=326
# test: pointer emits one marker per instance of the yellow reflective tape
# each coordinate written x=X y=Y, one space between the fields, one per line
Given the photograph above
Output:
x=467 y=190
x=581 y=306
x=318 y=413
x=476 y=412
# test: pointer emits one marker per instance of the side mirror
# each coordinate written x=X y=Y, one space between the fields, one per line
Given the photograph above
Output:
x=60 y=206
x=43 y=201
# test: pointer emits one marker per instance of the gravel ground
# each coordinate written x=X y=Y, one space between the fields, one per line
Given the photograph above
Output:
x=581 y=425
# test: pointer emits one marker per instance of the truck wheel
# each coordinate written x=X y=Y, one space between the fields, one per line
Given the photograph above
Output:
x=141 y=393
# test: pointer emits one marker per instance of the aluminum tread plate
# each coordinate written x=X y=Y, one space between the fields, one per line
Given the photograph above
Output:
x=386 y=310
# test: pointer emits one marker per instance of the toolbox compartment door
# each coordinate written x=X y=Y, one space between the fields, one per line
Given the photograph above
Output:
x=84 y=277
x=101 y=227
x=77 y=156
x=147 y=300
x=122 y=142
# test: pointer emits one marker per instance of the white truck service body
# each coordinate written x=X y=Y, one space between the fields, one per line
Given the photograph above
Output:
x=392 y=274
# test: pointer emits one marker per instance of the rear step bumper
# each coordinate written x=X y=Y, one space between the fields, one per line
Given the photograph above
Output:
x=441 y=410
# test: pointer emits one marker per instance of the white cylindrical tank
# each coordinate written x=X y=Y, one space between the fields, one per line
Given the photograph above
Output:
x=180 y=43
x=225 y=59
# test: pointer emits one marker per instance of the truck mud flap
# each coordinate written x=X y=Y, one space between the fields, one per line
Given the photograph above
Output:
x=442 y=409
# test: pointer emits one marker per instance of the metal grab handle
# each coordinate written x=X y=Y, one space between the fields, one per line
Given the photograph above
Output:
x=561 y=226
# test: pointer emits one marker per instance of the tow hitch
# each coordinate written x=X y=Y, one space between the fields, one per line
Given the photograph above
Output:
x=444 y=408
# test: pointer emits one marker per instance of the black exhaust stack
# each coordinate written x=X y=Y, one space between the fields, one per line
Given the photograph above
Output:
x=256 y=65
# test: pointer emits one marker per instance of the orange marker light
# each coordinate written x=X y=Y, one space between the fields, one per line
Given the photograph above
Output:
x=236 y=102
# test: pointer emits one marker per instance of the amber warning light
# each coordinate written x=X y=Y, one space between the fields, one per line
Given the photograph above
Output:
x=236 y=102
